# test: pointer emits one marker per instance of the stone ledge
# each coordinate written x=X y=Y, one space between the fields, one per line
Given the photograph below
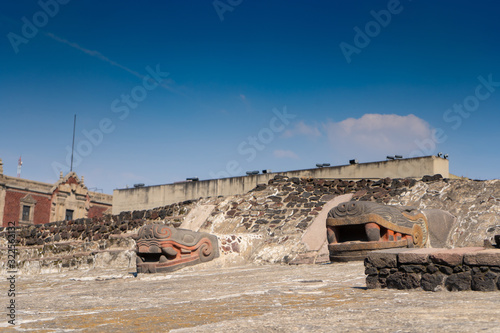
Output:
x=485 y=257
x=472 y=268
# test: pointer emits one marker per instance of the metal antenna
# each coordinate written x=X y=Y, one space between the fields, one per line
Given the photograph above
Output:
x=19 y=165
x=73 y=145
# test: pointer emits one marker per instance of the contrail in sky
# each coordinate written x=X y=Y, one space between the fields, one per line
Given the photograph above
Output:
x=98 y=55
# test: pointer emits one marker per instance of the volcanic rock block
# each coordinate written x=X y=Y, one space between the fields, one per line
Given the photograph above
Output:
x=435 y=269
x=166 y=249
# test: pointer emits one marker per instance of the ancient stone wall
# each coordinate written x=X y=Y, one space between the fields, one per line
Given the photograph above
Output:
x=475 y=204
x=272 y=223
x=97 y=228
x=469 y=268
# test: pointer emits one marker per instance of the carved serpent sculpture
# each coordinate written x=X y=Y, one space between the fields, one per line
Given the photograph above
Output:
x=356 y=227
x=164 y=249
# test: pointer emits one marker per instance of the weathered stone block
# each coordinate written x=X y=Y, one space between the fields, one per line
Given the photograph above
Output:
x=452 y=257
x=402 y=280
x=432 y=269
x=446 y=270
x=432 y=282
x=384 y=272
x=371 y=270
x=383 y=258
x=484 y=281
x=416 y=256
x=412 y=268
x=372 y=282
x=459 y=281
x=485 y=257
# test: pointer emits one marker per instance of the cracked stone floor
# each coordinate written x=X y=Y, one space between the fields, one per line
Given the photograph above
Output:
x=274 y=298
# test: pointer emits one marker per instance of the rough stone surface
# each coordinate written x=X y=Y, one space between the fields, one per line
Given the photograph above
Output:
x=459 y=282
x=269 y=222
x=271 y=298
x=402 y=280
x=439 y=229
x=382 y=260
x=486 y=257
x=444 y=272
x=431 y=282
x=415 y=256
x=484 y=281
x=475 y=204
x=451 y=257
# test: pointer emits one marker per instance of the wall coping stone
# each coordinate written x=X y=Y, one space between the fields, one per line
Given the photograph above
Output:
x=385 y=258
x=452 y=257
x=490 y=257
x=416 y=256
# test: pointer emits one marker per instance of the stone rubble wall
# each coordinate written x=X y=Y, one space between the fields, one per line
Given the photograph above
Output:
x=475 y=204
x=267 y=224
x=57 y=257
x=469 y=268
x=88 y=243
x=98 y=228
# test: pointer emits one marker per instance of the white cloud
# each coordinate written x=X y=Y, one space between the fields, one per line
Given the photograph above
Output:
x=279 y=153
x=302 y=129
x=373 y=136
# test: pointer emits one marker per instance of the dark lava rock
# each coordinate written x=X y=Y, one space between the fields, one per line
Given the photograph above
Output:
x=432 y=269
x=402 y=280
x=372 y=282
x=371 y=271
x=459 y=282
x=431 y=282
x=413 y=268
x=446 y=270
x=484 y=281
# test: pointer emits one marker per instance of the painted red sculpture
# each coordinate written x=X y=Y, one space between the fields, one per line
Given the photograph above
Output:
x=357 y=227
x=165 y=249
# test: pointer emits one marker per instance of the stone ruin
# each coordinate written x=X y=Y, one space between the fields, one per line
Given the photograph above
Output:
x=354 y=228
x=283 y=221
x=165 y=249
x=459 y=269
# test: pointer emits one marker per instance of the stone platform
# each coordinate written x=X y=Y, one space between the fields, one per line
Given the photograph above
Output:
x=434 y=269
x=247 y=299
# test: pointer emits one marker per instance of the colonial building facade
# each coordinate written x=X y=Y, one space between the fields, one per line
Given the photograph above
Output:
x=28 y=202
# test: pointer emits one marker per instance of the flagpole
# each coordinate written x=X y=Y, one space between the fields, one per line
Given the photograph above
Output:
x=73 y=145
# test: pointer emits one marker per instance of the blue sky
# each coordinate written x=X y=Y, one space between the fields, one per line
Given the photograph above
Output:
x=166 y=90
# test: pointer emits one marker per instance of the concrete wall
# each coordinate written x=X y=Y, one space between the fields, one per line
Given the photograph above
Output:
x=161 y=195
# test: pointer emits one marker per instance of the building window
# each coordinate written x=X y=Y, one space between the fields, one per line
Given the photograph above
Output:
x=27 y=210
x=26 y=213
x=69 y=214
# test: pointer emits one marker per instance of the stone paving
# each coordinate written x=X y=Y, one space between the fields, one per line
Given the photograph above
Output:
x=271 y=298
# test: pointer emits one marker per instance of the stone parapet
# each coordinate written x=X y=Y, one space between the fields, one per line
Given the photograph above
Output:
x=434 y=269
